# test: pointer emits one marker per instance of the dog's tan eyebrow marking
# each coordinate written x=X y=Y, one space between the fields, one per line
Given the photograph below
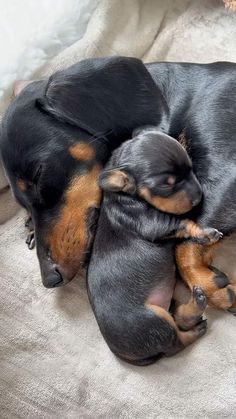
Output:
x=21 y=185
x=82 y=151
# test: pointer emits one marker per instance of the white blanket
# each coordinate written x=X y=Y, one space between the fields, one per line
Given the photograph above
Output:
x=53 y=361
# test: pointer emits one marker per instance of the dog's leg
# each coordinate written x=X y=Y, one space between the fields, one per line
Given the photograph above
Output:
x=194 y=262
x=188 y=308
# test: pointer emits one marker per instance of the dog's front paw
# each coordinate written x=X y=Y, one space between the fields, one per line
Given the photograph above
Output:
x=30 y=239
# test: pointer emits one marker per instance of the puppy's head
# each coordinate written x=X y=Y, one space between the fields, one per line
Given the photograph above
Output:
x=155 y=167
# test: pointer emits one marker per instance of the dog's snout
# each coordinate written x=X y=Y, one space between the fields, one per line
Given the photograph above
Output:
x=51 y=275
x=54 y=275
x=53 y=279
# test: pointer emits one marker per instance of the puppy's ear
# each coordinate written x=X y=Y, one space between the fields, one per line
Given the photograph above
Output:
x=103 y=95
x=117 y=180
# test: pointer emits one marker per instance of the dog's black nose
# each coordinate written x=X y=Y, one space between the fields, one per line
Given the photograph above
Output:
x=51 y=276
x=53 y=279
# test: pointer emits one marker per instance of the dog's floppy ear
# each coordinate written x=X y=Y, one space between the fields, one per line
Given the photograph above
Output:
x=104 y=94
x=117 y=180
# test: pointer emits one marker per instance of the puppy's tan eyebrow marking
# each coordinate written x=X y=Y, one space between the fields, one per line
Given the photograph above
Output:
x=21 y=185
x=82 y=151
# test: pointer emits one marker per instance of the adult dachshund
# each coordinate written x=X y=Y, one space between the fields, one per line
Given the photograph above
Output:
x=58 y=133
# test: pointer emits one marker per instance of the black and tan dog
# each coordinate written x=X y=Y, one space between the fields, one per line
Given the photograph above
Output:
x=131 y=274
x=57 y=135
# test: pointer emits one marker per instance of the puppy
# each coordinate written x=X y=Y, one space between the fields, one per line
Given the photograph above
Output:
x=131 y=275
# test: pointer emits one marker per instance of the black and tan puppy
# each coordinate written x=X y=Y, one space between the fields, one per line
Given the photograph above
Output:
x=131 y=275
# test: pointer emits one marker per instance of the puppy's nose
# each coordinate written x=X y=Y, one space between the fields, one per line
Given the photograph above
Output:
x=196 y=201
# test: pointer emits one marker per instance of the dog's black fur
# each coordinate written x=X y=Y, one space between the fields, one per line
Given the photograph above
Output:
x=128 y=273
x=105 y=99
x=49 y=116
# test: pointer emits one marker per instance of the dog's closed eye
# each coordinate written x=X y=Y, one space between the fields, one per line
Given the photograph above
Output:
x=37 y=175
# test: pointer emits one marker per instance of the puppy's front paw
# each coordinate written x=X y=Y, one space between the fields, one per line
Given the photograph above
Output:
x=210 y=236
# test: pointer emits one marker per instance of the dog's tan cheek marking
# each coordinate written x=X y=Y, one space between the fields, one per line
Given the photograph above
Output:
x=82 y=151
x=177 y=204
x=21 y=185
x=67 y=239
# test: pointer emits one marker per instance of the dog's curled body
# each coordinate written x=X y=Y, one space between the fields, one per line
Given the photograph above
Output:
x=131 y=275
x=121 y=313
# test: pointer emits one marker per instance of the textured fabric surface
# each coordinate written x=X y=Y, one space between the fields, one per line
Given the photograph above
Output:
x=53 y=360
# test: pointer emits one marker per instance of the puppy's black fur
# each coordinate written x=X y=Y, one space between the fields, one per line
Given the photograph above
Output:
x=131 y=275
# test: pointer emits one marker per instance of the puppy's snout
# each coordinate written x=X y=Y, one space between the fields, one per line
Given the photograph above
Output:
x=194 y=190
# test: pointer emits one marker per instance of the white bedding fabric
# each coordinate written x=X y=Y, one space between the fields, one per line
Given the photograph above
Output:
x=53 y=360
x=32 y=32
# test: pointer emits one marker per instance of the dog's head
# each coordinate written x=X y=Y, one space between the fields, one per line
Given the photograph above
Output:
x=155 y=167
x=55 y=138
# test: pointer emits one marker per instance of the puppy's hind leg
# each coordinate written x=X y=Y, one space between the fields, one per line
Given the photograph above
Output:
x=189 y=313
x=183 y=338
